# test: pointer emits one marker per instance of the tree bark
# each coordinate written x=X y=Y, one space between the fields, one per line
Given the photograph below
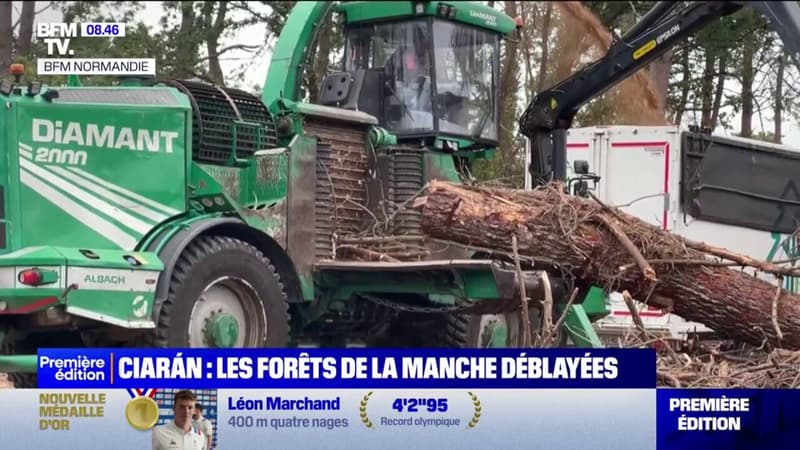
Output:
x=25 y=29
x=572 y=232
x=543 y=64
x=686 y=84
x=659 y=73
x=779 y=99
x=707 y=93
x=6 y=38
x=748 y=75
x=186 y=45
x=720 y=89
x=213 y=33
x=508 y=83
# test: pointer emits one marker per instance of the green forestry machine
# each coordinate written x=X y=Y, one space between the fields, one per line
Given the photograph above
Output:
x=177 y=213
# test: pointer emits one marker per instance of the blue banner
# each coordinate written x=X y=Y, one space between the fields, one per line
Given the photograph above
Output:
x=740 y=419
x=341 y=419
x=396 y=398
x=346 y=368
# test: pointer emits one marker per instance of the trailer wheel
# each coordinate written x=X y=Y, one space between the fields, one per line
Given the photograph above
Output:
x=502 y=330
x=481 y=331
x=20 y=380
x=224 y=293
x=15 y=344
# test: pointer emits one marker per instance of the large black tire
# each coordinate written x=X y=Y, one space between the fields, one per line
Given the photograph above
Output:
x=222 y=259
x=20 y=380
x=15 y=344
x=467 y=330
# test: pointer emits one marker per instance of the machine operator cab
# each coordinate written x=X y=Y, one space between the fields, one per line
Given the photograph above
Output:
x=432 y=72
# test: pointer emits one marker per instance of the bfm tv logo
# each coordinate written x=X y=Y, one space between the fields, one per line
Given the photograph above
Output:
x=58 y=36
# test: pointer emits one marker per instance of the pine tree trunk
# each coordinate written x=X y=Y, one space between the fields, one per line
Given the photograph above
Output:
x=25 y=29
x=747 y=76
x=186 y=43
x=707 y=93
x=686 y=84
x=660 y=72
x=212 y=42
x=720 y=89
x=545 y=59
x=6 y=38
x=575 y=233
x=779 y=99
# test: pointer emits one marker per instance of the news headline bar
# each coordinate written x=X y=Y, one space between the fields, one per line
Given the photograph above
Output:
x=346 y=368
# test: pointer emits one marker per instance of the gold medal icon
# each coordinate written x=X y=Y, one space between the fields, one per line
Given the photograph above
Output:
x=142 y=413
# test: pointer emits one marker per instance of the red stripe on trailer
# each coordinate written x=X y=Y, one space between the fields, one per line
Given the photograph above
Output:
x=578 y=145
x=666 y=165
x=30 y=307
x=639 y=144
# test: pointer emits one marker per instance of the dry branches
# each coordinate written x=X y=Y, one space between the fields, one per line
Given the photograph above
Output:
x=591 y=241
x=601 y=245
x=526 y=327
x=623 y=238
x=711 y=367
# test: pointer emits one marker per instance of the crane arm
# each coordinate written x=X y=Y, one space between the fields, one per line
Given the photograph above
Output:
x=552 y=111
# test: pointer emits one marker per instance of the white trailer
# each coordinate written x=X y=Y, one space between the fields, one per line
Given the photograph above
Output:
x=739 y=194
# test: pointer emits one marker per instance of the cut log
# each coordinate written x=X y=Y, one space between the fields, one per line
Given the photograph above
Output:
x=574 y=232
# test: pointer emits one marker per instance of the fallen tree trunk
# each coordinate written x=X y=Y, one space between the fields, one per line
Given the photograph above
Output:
x=583 y=237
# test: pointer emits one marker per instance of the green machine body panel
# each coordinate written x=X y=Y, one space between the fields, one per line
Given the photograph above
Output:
x=100 y=183
x=471 y=13
x=111 y=286
x=88 y=176
x=103 y=174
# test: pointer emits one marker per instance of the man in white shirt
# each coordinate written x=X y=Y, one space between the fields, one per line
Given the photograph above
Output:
x=180 y=434
x=203 y=424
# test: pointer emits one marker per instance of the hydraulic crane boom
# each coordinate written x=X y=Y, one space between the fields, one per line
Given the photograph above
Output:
x=551 y=112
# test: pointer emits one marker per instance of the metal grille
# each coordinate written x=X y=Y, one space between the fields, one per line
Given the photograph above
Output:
x=324 y=211
x=341 y=166
x=406 y=182
x=216 y=112
x=125 y=96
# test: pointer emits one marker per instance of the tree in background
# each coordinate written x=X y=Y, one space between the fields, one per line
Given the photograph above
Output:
x=735 y=67
x=16 y=37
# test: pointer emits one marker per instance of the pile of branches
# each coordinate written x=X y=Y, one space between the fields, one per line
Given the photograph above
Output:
x=604 y=246
x=738 y=297
x=712 y=363
x=743 y=368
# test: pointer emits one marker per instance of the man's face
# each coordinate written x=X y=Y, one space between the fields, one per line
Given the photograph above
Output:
x=184 y=409
x=196 y=414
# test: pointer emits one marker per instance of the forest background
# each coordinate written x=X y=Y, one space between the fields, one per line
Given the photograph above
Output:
x=733 y=77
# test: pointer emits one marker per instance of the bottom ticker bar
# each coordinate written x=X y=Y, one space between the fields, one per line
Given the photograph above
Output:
x=342 y=419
